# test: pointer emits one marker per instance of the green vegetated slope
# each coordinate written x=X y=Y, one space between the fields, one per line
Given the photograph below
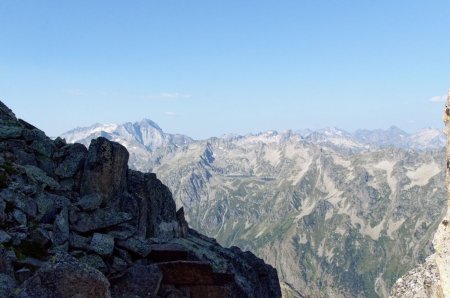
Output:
x=334 y=223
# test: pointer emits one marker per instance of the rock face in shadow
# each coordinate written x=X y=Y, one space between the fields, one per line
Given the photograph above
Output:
x=155 y=212
x=64 y=276
x=105 y=171
x=76 y=222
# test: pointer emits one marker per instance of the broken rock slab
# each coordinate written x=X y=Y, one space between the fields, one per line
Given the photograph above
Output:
x=102 y=244
x=141 y=247
x=64 y=276
x=99 y=219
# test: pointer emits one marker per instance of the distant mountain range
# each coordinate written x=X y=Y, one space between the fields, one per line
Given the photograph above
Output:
x=148 y=142
x=339 y=214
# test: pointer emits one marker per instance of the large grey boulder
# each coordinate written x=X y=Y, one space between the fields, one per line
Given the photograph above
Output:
x=89 y=202
x=48 y=206
x=43 y=147
x=138 y=246
x=63 y=277
x=97 y=220
x=10 y=132
x=105 y=170
x=102 y=244
x=95 y=261
x=38 y=176
x=20 y=201
x=73 y=162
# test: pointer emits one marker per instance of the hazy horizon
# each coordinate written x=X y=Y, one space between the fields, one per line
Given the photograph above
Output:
x=48 y=128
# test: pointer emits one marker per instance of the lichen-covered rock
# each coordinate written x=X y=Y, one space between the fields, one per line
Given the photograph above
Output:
x=43 y=147
x=63 y=277
x=139 y=246
x=38 y=176
x=7 y=116
x=8 y=132
x=48 y=206
x=97 y=220
x=31 y=134
x=73 y=162
x=95 y=261
x=102 y=244
x=89 y=202
x=20 y=201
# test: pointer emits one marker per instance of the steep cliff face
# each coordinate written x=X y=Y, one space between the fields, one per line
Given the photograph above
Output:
x=432 y=279
x=78 y=222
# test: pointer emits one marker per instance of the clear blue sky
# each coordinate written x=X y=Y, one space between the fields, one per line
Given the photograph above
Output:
x=204 y=68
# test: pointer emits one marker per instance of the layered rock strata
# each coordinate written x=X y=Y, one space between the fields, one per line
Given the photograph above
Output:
x=76 y=222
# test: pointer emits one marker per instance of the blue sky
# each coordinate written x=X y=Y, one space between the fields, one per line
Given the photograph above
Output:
x=204 y=68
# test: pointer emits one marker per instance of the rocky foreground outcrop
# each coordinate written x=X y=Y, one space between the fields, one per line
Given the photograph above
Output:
x=76 y=222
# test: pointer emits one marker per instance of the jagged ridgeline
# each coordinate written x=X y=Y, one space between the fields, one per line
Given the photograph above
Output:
x=76 y=222
x=333 y=223
x=338 y=214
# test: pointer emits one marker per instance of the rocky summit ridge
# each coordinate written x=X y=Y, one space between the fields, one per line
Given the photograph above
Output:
x=77 y=222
